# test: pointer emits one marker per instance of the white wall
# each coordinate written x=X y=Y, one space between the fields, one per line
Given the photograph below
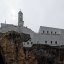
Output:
x=40 y=39
x=6 y=29
x=49 y=29
x=27 y=44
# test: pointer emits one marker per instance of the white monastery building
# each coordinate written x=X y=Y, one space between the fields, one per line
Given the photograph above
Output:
x=46 y=35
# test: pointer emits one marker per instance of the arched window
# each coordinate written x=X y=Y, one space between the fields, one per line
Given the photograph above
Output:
x=55 y=32
x=43 y=31
x=51 y=42
x=55 y=42
x=46 y=42
x=31 y=42
x=51 y=32
x=27 y=42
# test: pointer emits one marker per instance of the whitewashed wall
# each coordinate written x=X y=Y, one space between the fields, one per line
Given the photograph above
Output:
x=40 y=39
x=49 y=29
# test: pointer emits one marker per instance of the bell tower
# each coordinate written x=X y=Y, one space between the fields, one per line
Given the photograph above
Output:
x=20 y=19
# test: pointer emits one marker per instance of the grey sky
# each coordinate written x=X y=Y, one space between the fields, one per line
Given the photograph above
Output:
x=36 y=12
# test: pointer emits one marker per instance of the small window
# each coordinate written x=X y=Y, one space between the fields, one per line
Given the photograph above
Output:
x=55 y=32
x=47 y=32
x=55 y=42
x=51 y=32
x=51 y=42
x=43 y=31
x=46 y=42
x=31 y=42
x=27 y=42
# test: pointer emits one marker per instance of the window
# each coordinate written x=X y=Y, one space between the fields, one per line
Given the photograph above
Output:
x=51 y=32
x=43 y=31
x=55 y=32
x=27 y=42
x=31 y=42
x=55 y=42
x=51 y=42
x=46 y=42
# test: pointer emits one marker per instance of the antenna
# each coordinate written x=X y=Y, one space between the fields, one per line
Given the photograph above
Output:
x=5 y=21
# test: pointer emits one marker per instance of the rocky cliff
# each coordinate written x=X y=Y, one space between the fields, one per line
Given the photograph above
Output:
x=13 y=52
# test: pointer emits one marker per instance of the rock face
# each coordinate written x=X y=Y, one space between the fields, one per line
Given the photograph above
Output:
x=48 y=55
x=13 y=52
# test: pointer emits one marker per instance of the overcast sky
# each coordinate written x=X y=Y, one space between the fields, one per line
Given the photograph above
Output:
x=36 y=12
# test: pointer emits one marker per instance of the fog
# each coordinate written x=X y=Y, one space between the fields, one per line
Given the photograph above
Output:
x=36 y=13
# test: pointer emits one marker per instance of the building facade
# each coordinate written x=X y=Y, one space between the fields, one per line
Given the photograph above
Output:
x=46 y=35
